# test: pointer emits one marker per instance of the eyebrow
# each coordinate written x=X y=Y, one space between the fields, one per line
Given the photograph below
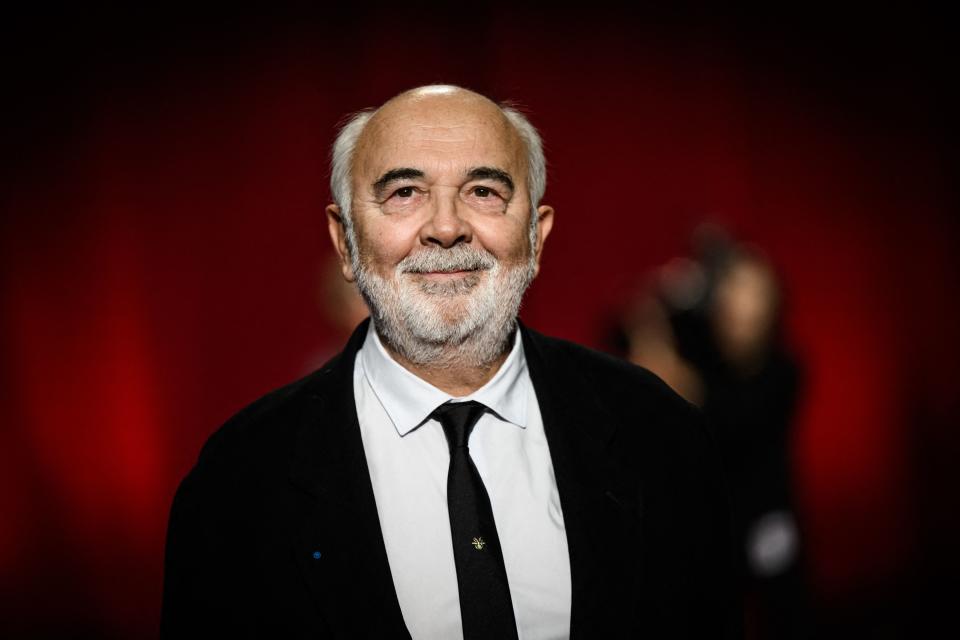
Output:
x=409 y=173
x=491 y=173
x=402 y=173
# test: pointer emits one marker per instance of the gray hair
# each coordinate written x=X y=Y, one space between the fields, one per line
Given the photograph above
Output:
x=341 y=164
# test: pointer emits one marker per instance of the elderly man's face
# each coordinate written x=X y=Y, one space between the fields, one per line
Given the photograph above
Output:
x=442 y=216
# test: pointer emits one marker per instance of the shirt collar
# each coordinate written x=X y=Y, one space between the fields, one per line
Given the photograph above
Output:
x=410 y=400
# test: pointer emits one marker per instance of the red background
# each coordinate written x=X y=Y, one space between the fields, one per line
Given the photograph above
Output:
x=163 y=235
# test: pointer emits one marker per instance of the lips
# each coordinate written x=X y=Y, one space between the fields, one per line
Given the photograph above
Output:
x=460 y=259
x=451 y=272
x=460 y=275
x=445 y=272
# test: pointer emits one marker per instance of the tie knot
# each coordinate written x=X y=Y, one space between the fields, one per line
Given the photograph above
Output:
x=458 y=420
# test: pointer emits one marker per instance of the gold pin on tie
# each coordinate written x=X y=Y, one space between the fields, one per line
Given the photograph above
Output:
x=479 y=543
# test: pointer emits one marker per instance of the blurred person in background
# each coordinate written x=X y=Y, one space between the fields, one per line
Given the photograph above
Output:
x=341 y=306
x=361 y=501
x=710 y=327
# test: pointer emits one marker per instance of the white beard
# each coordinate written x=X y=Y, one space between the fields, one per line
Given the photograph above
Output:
x=468 y=321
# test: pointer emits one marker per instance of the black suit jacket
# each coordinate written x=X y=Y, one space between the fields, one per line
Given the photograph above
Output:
x=275 y=532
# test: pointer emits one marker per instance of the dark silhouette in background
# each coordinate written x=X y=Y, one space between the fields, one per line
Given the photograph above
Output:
x=711 y=327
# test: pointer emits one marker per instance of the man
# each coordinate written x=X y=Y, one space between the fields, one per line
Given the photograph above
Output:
x=451 y=474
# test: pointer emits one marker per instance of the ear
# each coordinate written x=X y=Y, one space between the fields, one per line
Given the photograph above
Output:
x=338 y=236
x=544 y=225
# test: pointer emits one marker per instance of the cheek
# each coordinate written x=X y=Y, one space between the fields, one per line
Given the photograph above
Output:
x=385 y=244
x=506 y=238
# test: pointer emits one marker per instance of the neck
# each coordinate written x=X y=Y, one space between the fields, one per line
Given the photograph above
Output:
x=451 y=372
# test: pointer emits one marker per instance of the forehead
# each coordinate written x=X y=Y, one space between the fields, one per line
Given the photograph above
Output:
x=438 y=135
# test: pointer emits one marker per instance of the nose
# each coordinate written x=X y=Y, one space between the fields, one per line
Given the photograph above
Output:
x=446 y=226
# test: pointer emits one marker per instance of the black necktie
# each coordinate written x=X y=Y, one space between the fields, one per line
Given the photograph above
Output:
x=485 y=605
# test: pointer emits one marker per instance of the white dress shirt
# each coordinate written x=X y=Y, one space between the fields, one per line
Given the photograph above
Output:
x=408 y=456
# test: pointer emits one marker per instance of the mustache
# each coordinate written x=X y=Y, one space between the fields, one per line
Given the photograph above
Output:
x=460 y=257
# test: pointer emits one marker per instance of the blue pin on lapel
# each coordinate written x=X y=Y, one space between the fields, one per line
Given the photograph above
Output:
x=316 y=555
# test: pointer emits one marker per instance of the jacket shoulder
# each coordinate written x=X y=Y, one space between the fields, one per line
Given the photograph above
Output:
x=648 y=411
x=608 y=376
x=268 y=424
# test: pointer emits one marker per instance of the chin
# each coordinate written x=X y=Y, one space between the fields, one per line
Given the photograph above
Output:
x=460 y=286
x=463 y=320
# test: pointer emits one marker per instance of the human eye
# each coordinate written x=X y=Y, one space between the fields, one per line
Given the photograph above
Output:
x=484 y=197
x=483 y=191
x=403 y=198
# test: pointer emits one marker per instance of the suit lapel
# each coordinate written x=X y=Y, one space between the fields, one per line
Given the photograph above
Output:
x=339 y=542
x=600 y=501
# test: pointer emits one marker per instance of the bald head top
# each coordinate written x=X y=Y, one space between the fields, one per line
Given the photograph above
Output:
x=439 y=114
